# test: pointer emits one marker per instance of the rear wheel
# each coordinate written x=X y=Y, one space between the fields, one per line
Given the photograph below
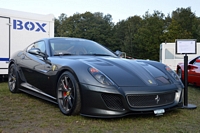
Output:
x=13 y=79
x=68 y=94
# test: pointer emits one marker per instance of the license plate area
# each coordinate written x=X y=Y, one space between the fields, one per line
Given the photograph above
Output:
x=159 y=112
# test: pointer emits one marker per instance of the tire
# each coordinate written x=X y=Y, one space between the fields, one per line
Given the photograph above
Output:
x=179 y=74
x=68 y=94
x=13 y=79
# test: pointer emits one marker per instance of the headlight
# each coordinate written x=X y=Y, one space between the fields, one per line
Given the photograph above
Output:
x=100 y=77
x=173 y=74
x=178 y=95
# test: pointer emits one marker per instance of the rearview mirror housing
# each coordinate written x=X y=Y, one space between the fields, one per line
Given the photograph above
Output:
x=37 y=51
x=118 y=53
x=192 y=66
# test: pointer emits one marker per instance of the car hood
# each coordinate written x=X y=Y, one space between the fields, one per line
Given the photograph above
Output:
x=125 y=72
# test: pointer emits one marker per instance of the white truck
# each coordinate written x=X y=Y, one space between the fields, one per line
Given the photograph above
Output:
x=169 y=57
x=19 y=29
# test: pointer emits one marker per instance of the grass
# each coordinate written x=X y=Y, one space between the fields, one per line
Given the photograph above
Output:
x=21 y=113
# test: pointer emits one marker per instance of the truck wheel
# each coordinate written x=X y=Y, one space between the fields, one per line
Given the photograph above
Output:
x=68 y=94
x=13 y=79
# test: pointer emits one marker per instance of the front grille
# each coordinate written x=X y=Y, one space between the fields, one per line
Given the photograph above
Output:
x=150 y=100
x=113 y=101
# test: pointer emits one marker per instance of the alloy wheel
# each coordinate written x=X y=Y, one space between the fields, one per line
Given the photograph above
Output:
x=66 y=93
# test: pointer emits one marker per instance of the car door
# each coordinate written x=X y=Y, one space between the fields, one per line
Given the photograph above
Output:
x=194 y=72
x=33 y=66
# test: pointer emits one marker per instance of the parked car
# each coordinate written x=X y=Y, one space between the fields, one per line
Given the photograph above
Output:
x=193 y=71
x=83 y=77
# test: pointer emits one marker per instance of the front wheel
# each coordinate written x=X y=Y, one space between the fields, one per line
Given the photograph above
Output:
x=68 y=94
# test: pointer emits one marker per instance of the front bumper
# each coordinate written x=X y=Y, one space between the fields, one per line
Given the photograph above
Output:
x=113 y=102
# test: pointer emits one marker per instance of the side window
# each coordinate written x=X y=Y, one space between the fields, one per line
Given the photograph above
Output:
x=197 y=62
x=169 y=53
x=40 y=45
x=30 y=47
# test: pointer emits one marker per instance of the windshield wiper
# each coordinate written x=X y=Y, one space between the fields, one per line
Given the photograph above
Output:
x=94 y=54
x=62 y=54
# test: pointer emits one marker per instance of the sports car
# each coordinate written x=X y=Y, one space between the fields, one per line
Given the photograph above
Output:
x=193 y=71
x=85 y=78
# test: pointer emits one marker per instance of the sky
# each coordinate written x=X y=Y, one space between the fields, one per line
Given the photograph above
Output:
x=119 y=9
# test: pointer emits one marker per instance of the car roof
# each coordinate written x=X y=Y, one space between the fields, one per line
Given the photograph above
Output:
x=70 y=38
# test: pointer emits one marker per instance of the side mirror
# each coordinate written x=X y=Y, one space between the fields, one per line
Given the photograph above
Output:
x=192 y=66
x=118 y=53
x=121 y=54
x=37 y=51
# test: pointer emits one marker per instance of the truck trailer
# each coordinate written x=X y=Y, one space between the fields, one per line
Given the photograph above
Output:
x=169 y=57
x=19 y=29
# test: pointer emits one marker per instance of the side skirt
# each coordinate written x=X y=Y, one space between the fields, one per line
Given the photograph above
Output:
x=37 y=93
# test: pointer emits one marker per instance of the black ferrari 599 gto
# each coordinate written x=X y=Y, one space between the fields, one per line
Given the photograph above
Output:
x=85 y=78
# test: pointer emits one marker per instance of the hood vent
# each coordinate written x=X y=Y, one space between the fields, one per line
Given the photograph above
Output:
x=163 y=80
x=99 y=62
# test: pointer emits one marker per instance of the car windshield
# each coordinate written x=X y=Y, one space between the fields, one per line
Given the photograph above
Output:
x=78 y=47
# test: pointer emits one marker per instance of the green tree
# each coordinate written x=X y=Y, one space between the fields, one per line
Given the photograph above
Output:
x=58 y=25
x=133 y=24
x=184 y=25
x=149 y=36
x=196 y=29
x=139 y=37
x=119 y=35
x=95 y=27
x=124 y=32
x=175 y=31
